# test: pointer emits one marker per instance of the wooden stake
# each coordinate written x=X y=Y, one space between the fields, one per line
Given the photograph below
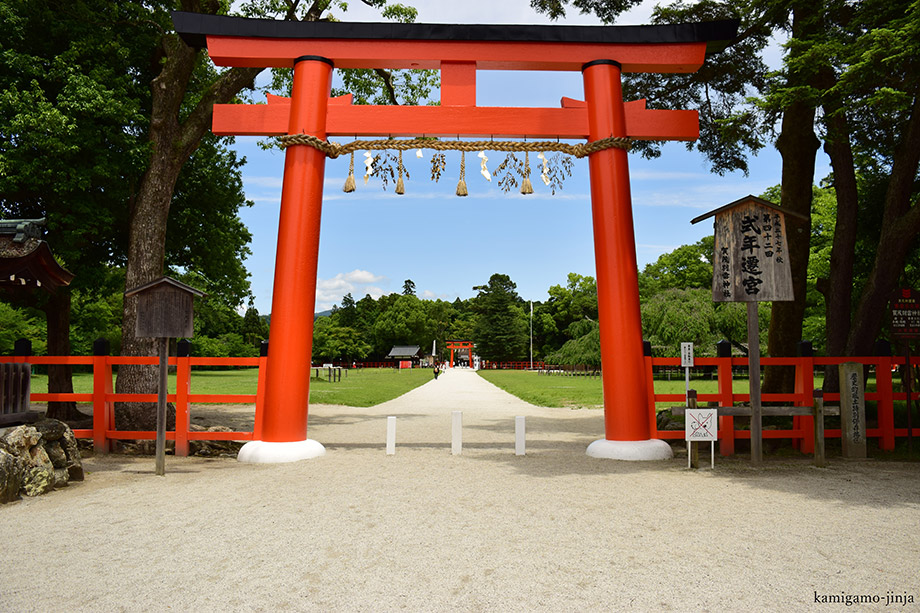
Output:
x=820 y=459
x=161 y=410
x=753 y=328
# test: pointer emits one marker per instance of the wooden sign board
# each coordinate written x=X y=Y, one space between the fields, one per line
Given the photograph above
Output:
x=164 y=309
x=751 y=259
x=852 y=410
x=905 y=314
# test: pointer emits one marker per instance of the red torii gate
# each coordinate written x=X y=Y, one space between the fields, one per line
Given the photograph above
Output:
x=601 y=53
x=468 y=345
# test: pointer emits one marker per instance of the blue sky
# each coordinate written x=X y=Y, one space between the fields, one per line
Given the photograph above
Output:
x=372 y=240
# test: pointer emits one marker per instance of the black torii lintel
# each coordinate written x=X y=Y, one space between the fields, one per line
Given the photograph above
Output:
x=194 y=28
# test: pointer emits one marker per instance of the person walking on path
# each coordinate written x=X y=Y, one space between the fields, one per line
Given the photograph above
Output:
x=437 y=371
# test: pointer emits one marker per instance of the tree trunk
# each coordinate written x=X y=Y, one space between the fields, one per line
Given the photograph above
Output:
x=900 y=231
x=798 y=146
x=60 y=381
x=838 y=291
x=172 y=143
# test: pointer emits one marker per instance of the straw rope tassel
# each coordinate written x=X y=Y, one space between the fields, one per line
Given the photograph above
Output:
x=400 y=185
x=350 y=181
x=461 y=185
x=526 y=185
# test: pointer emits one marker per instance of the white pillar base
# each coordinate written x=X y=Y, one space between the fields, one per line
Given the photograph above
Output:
x=263 y=452
x=652 y=449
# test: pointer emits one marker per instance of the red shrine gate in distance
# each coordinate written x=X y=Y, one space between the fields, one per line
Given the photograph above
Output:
x=313 y=49
x=468 y=345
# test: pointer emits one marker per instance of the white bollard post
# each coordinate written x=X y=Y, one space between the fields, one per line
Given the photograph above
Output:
x=391 y=435
x=519 y=429
x=456 y=433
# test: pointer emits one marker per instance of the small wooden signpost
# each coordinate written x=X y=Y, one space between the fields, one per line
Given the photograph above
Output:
x=852 y=410
x=686 y=361
x=700 y=425
x=905 y=324
x=165 y=310
x=751 y=264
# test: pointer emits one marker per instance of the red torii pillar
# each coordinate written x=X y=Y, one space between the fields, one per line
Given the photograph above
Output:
x=601 y=53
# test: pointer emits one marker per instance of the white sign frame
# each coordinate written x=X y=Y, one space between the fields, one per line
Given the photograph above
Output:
x=701 y=425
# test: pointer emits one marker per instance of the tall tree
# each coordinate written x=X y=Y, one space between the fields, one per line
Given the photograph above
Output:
x=183 y=93
x=500 y=329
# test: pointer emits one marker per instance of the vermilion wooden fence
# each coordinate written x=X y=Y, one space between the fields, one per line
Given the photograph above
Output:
x=802 y=432
x=103 y=398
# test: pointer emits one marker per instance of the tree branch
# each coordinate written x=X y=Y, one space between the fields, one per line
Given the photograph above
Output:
x=387 y=77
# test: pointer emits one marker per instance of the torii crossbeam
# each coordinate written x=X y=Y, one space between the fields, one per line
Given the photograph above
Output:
x=313 y=49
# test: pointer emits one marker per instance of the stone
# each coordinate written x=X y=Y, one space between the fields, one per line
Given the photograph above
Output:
x=61 y=477
x=75 y=472
x=38 y=458
x=37 y=481
x=11 y=475
x=72 y=451
x=56 y=454
x=21 y=438
x=51 y=429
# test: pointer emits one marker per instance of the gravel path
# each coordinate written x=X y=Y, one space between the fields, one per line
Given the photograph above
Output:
x=423 y=530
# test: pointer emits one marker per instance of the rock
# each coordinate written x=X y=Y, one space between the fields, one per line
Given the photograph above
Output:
x=20 y=439
x=37 y=481
x=75 y=472
x=61 y=477
x=51 y=429
x=11 y=474
x=38 y=458
x=214 y=448
x=71 y=447
x=56 y=454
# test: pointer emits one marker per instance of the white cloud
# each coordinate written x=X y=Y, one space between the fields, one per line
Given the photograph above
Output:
x=357 y=283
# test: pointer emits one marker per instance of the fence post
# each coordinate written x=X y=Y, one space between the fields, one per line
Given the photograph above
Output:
x=260 y=391
x=804 y=386
x=884 y=387
x=818 y=440
x=102 y=386
x=21 y=394
x=650 y=386
x=183 y=389
x=726 y=422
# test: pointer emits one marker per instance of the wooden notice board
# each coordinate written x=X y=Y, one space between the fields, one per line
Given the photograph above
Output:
x=751 y=256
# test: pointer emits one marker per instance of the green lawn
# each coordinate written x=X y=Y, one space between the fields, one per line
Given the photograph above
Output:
x=584 y=392
x=368 y=387
x=359 y=388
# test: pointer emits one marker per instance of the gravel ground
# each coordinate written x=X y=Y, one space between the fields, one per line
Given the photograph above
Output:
x=423 y=530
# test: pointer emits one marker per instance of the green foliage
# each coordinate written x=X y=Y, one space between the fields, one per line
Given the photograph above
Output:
x=674 y=316
x=500 y=330
x=688 y=266
x=405 y=322
x=334 y=342
x=583 y=350
x=227 y=345
x=16 y=324
x=606 y=10
x=566 y=307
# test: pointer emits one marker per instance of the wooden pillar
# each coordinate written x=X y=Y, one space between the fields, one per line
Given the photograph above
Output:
x=626 y=401
x=287 y=389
